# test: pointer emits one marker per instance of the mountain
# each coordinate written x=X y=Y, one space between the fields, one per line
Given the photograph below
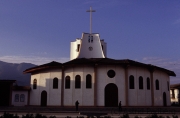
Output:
x=11 y=71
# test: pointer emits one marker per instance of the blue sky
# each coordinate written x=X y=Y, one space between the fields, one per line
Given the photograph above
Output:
x=40 y=31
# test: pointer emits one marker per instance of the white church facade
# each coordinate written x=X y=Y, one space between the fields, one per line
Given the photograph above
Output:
x=95 y=80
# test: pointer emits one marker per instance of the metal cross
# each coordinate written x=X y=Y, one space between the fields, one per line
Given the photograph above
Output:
x=90 y=18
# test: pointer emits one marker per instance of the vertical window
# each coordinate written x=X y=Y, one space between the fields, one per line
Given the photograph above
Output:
x=131 y=82
x=67 y=82
x=22 y=98
x=34 y=84
x=91 y=39
x=77 y=81
x=148 y=83
x=88 y=81
x=16 y=98
x=78 y=47
x=168 y=85
x=55 y=83
x=140 y=82
x=157 y=84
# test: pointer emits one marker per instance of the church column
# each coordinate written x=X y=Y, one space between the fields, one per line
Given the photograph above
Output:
x=62 y=87
x=28 y=99
x=95 y=85
x=10 y=96
x=152 y=87
x=126 y=85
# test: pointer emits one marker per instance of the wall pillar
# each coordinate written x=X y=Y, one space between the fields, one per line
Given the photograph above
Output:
x=126 y=86
x=10 y=94
x=152 y=86
x=95 y=85
x=28 y=101
x=62 y=87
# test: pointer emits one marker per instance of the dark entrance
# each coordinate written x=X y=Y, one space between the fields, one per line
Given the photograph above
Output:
x=111 y=95
x=6 y=92
x=164 y=99
x=43 y=98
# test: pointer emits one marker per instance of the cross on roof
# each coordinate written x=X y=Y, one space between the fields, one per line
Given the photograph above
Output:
x=90 y=18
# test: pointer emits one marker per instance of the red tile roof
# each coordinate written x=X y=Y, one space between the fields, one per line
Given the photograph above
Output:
x=97 y=61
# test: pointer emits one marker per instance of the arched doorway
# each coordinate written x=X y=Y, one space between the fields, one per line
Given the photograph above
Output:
x=111 y=95
x=43 y=98
x=164 y=99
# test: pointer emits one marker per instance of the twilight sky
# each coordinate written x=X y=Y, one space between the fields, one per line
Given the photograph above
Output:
x=40 y=31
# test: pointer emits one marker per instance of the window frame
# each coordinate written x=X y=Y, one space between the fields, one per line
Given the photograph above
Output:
x=77 y=82
x=67 y=82
x=16 y=98
x=148 y=83
x=88 y=81
x=131 y=82
x=157 y=84
x=140 y=82
x=55 y=83
x=35 y=84
x=22 y=98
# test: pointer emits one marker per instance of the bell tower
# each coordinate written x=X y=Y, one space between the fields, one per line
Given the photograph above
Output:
x=89 y=45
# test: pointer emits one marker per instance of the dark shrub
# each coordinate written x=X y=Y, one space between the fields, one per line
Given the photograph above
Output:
x=125 y=116
x=154 y=116
x=28 y=116
x=68 y=117
x=137 y=116
x=174 y=116
x=8 y=115
x=39 y=116
x=52 y=116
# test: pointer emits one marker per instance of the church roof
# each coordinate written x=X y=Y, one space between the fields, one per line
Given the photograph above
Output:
x=21 y=88
x=98 y=61
x=175 y=86
x=52 y=64
x=7 y=81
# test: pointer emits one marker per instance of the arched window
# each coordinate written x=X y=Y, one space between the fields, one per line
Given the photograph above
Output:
x=91 y=39
x=22 y=98
x=148 y=83
x=157 y=84
x=34 y=84
x=131 y=82
x=140 y=82
x=88 y=81
x=78 y=47
x=67 y=82
x=55 y=83
x=168 y=85
x=16 y=98
x=78 y=81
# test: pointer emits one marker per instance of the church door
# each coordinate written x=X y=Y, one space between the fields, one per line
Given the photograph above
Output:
x=111 y=95
x=164 y=99
x=43 y=98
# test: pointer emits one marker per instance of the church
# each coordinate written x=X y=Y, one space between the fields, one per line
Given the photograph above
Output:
x=95 y=80
x=98 y=81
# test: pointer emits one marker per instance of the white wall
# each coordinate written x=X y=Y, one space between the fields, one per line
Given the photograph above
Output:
x=158 y=94
x=83 y=95
x=103 y=80
x=19 y=103
x=73 y=49
x=136 y=97
x=45 y=83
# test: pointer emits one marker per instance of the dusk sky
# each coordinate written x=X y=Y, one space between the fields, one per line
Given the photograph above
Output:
x=40 y=31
